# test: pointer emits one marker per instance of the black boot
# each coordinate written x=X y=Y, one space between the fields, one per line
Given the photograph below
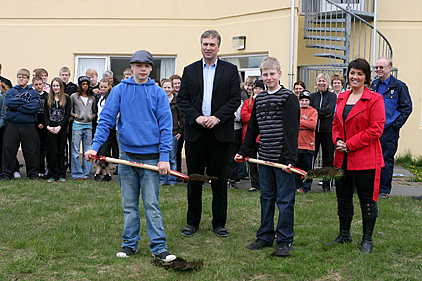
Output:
x=368 y=228
x=344 y=236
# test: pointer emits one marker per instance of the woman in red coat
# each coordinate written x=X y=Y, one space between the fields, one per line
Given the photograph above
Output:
x=258 y=86
x=358 y=124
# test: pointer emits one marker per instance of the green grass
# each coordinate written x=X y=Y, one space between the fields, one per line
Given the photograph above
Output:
x=72 y=231
x=412 y=164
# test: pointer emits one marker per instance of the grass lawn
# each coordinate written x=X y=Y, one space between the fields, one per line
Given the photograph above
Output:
x=72 y=231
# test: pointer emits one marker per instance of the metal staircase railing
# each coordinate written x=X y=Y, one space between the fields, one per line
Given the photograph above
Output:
x=339 y=30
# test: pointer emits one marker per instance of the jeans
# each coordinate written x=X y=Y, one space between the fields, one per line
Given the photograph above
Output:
x=134 y=182
x=78 y=170
x=169 y=179
x=277 y=187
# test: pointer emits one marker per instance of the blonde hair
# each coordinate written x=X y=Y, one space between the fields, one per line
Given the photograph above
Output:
x=23 y=72
x=91 y=72
x=128 y=71
x=250 y=79
x=64 y=69
x=270 y=63
x=326 y=77
x=62 y=95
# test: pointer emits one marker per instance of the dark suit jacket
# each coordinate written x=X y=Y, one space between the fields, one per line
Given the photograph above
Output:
x=225 y=99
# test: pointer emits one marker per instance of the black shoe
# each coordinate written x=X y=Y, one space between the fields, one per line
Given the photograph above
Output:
x=117 y=171
x=107 y=177
x=237 y=180
x=344 y=234
x=283 y=249
x=417 y=197
x=259 y=244
x=125 y=252
x=221 y=231
x=368 y=228
x=165 y=256
x=97 y=177
x=232 y=184
x=36 y=178
x=5 y=177
x=189 y=230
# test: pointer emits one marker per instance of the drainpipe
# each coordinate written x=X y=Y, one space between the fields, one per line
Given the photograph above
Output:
x=374 y=39
x=292 y=43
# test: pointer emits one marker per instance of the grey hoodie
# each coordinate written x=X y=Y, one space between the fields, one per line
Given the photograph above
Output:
x=85 y=112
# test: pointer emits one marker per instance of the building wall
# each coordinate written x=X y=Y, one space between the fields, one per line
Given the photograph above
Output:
x=49 y=33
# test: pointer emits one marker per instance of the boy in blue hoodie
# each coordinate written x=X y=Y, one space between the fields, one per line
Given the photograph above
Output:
x=145 y=135
x=22 y=106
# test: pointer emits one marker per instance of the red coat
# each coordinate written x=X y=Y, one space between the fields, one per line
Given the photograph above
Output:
x=308 y=122
x=245 y=115
x=364 y=126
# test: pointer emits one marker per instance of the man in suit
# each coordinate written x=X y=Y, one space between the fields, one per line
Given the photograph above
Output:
x=208 y=97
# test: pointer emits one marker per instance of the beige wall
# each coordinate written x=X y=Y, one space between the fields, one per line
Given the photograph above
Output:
x=52 y=32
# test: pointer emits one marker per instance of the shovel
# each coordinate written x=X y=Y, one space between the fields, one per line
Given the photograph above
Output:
x=193 y=177
x=272 y=164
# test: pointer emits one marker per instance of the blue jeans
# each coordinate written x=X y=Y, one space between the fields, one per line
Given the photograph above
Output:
x=134 y=182
x=173 y=164
x=277 y=187
x=78 y=170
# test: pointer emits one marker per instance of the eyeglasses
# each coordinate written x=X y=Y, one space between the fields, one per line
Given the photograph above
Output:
x=380 y=67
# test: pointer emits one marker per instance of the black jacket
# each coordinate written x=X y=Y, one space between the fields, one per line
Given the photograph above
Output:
x=325 y=104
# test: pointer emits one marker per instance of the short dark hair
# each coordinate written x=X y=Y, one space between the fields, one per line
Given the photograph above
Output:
x=300 y=83
x=36 y=78
x=175 y=76
x=361 y=64
x=212 y=33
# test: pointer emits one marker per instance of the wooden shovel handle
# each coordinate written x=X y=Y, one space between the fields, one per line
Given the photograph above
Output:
x=277 y=165
x=138 y=165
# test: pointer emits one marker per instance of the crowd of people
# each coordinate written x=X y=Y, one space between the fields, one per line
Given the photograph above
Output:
x=220 y=123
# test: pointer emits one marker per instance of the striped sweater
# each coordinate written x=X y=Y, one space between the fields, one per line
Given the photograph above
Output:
x=276 y=117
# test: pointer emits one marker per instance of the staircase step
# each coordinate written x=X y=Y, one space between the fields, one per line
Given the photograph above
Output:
x=333 y=56
x=332 y=47
x=326 y=29
x=328 y=38
x=343 y=20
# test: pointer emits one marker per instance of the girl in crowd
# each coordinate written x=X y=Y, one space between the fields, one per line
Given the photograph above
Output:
x=358 y=125
x=324 y=102
x=298 y=87
x=56 y=115
x=105 y=149
x=258 y=86
x=337 y=82
x=84 y=111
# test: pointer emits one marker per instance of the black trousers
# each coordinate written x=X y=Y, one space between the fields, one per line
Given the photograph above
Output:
x=179 y=151
x=363 y=180
x=234 y=148
x=27 y=138
x=304 y=162
x=57 y=144
x=42 y=134
x=253 y=169
x=105 y=149
x=207 y=152
x=328 y=147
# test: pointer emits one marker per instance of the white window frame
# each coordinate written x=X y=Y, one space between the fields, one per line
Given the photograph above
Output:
x=108 y=62
x=248 y=56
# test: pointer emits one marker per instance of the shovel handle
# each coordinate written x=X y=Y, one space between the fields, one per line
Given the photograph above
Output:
x=137 y=165
x=272 y=164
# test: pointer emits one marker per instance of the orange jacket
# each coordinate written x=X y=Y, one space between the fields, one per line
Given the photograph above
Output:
x=308 y=122
x=364 y=126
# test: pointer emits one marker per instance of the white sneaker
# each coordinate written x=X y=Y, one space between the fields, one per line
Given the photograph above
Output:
x=17 y=175
x=165 y=256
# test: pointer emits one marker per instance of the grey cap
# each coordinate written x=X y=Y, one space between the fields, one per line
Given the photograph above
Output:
x=142 y=56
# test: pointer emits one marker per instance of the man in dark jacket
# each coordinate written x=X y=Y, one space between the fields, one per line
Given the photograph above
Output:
x=398 y=106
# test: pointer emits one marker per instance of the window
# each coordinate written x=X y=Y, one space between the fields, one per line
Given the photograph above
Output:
x=164 y=67
x=247 y=65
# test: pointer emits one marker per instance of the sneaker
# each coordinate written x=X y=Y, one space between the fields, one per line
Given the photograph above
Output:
x=237 y=180
x=232 y=185
x=383 y=196
x=107 y=177
x=284 y=249
x=97 y=177
x=17 y=175
x=51 y=180
x=62 y=179
x=165 y=256
x=301 y=190
x=259 y=244
x=125 y=252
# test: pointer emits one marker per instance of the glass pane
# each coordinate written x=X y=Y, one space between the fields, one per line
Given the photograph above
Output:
x=96 y=63
x=118 y=65
x=163 y=68
x=245 y=62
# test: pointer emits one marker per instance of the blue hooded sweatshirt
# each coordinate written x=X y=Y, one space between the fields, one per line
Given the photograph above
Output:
x=22 y=105
x=145 y=122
